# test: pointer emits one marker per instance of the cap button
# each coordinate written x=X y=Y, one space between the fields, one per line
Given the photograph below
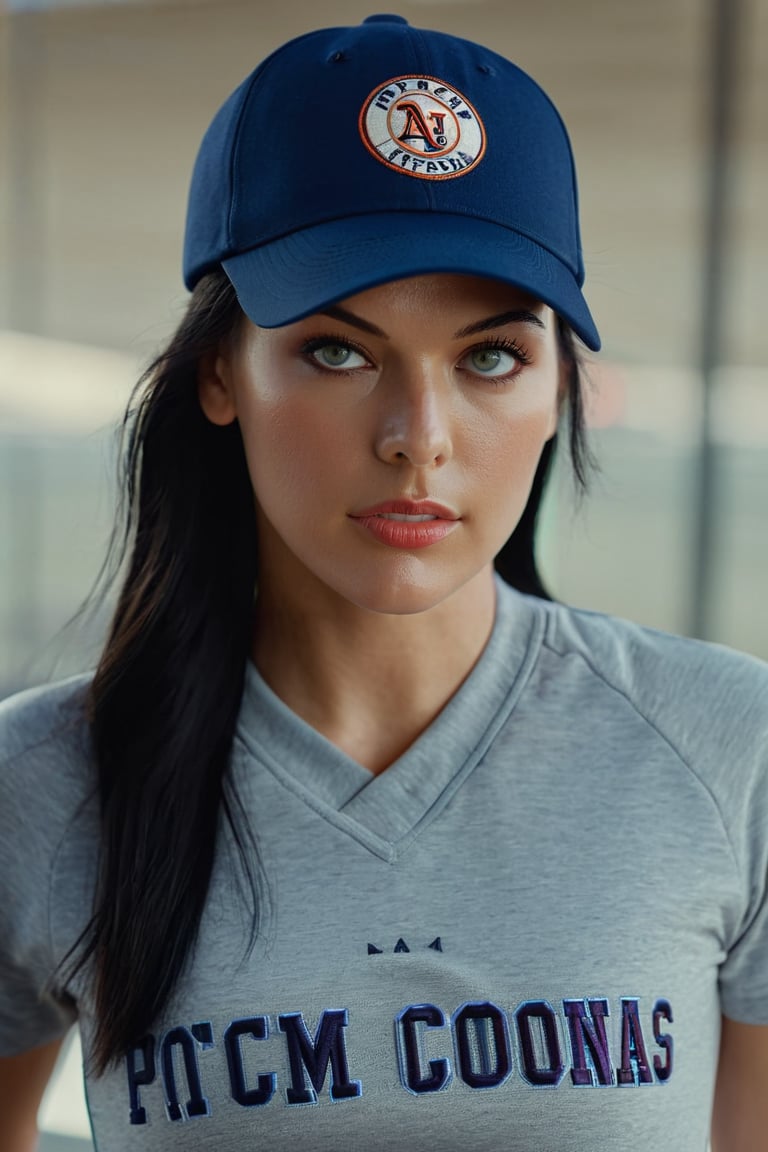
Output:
x=385 y=19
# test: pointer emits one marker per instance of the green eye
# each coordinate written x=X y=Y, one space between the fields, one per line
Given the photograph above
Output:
x=495 y=361
x=334 y=355
x=489 y=360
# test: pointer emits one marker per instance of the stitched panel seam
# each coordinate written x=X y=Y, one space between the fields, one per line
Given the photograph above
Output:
x=370 y=840
x=662 y=736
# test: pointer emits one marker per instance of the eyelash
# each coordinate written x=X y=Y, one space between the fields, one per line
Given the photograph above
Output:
x=500 y=344
x=503 y=344
x=315 y=343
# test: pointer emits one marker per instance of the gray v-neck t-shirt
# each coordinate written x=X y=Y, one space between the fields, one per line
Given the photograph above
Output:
x=520 y=936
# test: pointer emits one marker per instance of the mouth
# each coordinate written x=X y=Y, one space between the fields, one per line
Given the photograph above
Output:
x=408 y=524
x=408 y=511
x=404 y=518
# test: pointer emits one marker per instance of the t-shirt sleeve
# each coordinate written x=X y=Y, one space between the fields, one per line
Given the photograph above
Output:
x=734 y=739
x=34 y=806
x=744 y=972
x=711 y=704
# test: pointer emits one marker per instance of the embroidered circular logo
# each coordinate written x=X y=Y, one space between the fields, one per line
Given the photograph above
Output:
x=423 y=127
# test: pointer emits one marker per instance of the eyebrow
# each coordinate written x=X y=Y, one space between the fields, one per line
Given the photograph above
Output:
x=518 y=316
x=356 y=321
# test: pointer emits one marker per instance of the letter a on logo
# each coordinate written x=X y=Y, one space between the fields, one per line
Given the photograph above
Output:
x=416 y=127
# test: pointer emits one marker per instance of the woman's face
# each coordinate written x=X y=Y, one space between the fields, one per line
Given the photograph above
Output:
x=437 y=390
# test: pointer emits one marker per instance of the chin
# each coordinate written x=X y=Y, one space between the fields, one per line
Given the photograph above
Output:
x=404 y=589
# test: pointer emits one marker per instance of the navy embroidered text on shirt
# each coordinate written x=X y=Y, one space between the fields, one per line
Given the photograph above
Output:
x=481 y=1045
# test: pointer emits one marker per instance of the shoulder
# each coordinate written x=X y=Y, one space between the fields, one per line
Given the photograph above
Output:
x=657 y=670
x=46 y=782
x=707 y=701
x=45 y=747
x=36 y=714
x=47 y=794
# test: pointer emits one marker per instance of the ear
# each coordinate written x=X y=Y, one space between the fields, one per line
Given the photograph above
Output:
x=215 y=387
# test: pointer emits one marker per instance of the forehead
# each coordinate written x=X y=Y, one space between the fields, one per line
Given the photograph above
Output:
x=433 y=307
x=444 y=293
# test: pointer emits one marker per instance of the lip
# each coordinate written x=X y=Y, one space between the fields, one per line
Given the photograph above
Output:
x=403 y=534
x=408 y=508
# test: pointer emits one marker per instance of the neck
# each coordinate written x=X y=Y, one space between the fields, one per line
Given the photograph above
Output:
x=370 y=682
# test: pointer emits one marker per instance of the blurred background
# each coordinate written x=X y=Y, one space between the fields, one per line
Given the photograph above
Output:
x=102 y=106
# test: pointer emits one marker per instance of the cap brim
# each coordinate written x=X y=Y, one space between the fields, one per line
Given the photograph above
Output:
x=299 y=274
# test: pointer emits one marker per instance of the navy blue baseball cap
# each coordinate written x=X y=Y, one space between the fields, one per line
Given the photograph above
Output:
x=355 y=156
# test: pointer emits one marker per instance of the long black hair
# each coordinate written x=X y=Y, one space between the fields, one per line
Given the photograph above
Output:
x=165 y=697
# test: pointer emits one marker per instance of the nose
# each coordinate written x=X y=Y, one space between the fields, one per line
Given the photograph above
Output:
x=414 y=424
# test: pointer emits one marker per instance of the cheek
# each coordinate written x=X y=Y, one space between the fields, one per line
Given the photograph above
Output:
x=508 y=476
x=291 y=448
x=508 y=447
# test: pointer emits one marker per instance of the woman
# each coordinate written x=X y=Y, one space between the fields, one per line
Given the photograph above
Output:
x=389 y=835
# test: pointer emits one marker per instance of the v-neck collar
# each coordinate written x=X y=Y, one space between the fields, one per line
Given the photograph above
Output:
x=386 y=810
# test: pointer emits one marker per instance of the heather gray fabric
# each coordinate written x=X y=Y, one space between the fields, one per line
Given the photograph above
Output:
x=520 y=936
